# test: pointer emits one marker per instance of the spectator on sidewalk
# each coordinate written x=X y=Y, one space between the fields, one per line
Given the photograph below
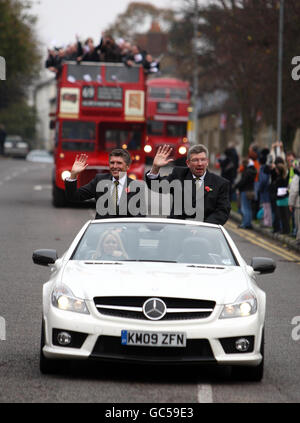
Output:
x=282 y=197
x=292 y=164
x=294 y=203
x=253 y=154
x=264 y=189
x=229 y=163
x=277 y=151
x=246 y=189
x=269 y=169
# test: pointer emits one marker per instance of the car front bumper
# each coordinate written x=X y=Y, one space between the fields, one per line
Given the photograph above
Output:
x=209 y=340
x=16 y=152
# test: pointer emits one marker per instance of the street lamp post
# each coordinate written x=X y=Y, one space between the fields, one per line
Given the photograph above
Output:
x=196 y=76
x=280 y=56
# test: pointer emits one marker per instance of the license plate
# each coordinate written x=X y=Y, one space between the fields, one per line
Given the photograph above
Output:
x=153 y=339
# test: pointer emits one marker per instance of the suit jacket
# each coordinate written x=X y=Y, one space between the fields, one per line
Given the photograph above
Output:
x=90 y=191
x=216 y=195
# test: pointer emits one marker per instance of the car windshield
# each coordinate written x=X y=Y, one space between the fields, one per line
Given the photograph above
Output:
x=157 y=242
x=14 y=138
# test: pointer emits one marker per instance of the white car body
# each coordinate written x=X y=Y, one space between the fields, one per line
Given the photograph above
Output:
x=154 y=280
x=39 y=156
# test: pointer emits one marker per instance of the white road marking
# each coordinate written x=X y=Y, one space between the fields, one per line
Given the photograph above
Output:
x=204 y=395
x=18 y=173
x=41 y=187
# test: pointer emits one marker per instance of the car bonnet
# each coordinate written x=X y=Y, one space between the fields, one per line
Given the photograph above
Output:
x=90 y=279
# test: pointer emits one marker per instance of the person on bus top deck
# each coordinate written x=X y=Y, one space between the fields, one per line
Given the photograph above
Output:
x=117 y=181
x=216 y=189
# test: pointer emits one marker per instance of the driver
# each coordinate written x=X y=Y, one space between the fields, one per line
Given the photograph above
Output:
x=110 y=247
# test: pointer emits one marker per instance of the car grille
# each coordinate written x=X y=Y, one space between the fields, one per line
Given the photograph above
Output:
x=132 y=308
x=110 y=347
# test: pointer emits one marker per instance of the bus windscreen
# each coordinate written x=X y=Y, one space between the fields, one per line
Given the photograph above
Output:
x=121 y=138
x=78 y=130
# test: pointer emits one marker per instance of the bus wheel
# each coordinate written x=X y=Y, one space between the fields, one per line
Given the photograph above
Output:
x=58 y=197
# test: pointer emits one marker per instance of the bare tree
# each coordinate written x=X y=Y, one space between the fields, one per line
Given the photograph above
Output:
x=136 y=16
x=238 y=48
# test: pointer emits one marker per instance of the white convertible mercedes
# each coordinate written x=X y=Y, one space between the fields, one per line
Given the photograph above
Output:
x=153 y=291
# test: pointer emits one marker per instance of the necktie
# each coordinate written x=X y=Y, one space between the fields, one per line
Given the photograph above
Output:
x=198 y=183
x=115 y=193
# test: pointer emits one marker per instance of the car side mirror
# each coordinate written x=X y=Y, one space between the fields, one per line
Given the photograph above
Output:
x=44 y=257
x=263 y=265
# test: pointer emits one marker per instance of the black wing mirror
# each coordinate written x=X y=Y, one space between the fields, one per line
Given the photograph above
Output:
x=44 y=257
x=263 y=265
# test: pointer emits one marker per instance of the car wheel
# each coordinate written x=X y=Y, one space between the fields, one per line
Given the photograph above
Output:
x=49 y=366
x=58 y=197
x=250 y=373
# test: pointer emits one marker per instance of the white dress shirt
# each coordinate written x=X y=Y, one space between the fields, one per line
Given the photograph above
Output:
x=121 y=186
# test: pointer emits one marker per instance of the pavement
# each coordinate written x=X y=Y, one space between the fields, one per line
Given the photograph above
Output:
x=287 y=241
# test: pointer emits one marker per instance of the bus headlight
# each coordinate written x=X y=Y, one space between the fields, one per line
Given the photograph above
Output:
x=182 y=150
x=65 y=174
x=147 y=148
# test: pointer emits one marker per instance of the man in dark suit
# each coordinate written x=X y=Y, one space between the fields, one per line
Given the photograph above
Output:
x=215 y=189
x=113 y=192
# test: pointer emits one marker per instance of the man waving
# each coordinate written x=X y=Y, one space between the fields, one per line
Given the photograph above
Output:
x=111 y=191
x=215 y=188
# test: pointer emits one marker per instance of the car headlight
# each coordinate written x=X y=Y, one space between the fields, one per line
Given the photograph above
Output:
x=64 y=299
x=244 y=306
x=147 y=148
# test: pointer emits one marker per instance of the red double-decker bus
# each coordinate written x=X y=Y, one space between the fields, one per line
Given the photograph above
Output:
x=100 y=106
x=167 y=104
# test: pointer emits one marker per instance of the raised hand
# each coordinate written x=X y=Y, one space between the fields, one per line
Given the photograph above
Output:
x=79 y=165
x=161 y=158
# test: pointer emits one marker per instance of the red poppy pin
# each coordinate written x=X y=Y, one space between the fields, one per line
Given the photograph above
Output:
x=207 y=189
x=127 y=189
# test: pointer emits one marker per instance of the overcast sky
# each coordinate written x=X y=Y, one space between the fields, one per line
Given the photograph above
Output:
x=61 y=20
